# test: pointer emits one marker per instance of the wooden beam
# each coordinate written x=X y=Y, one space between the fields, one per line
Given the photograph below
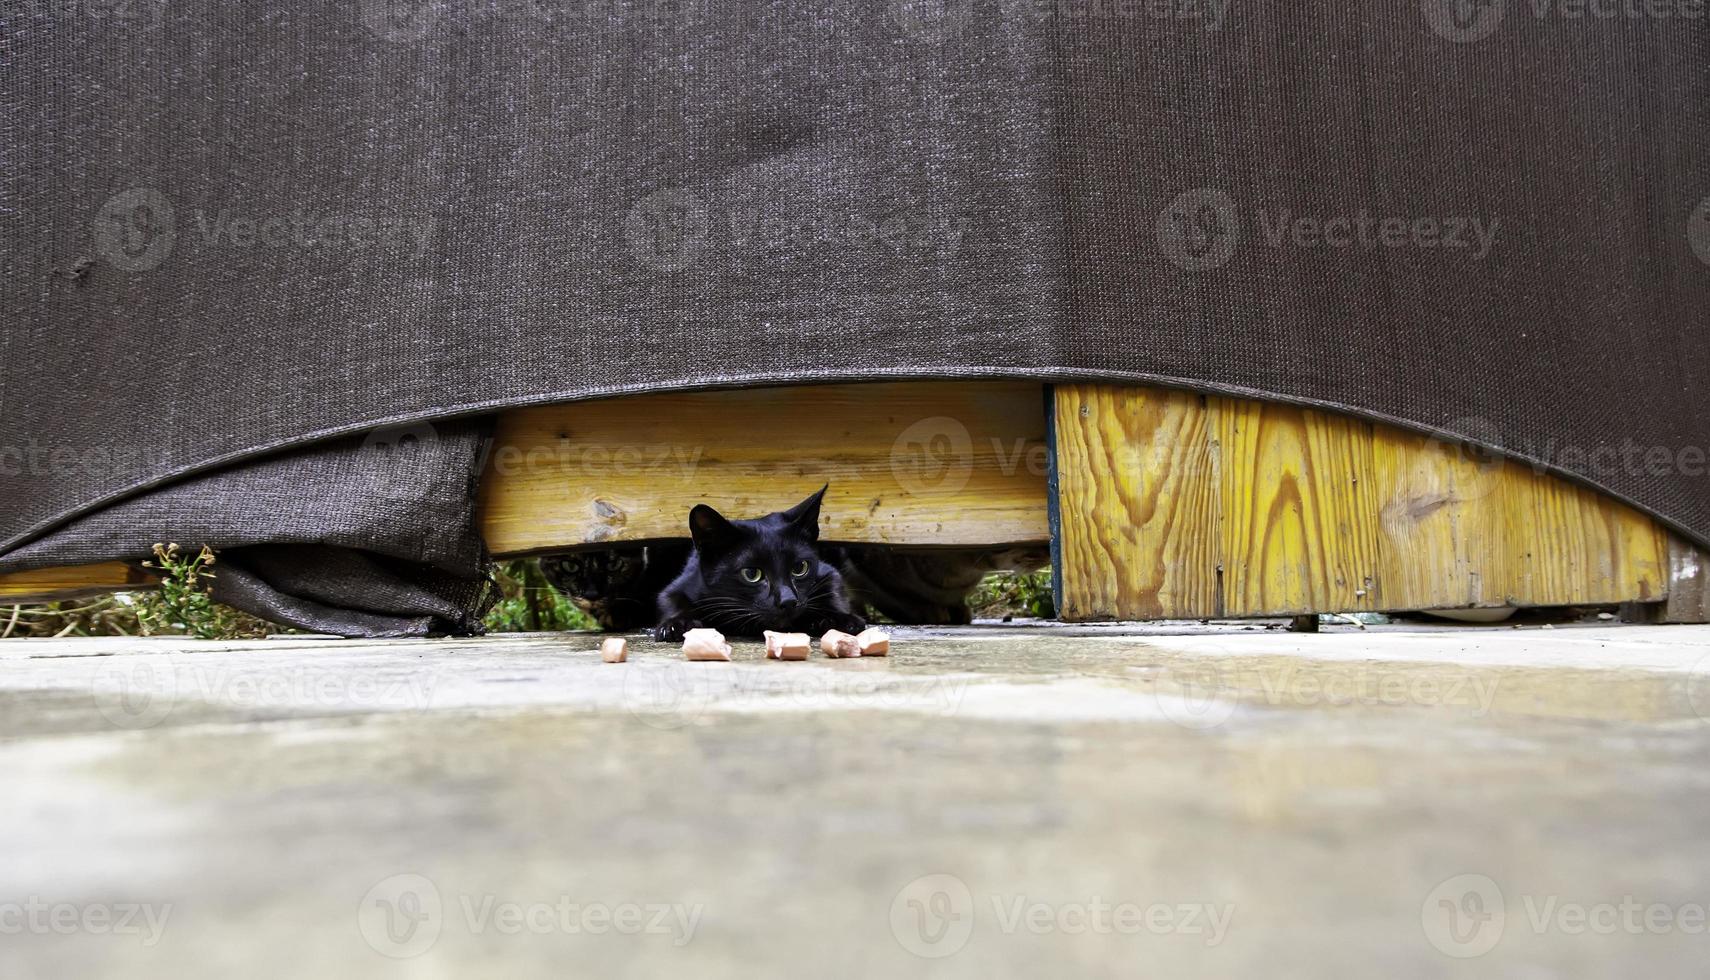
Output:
x=923 y=463
x=1175 y=504
x=1170 y=504
x=1689 y=584
x=56 y=584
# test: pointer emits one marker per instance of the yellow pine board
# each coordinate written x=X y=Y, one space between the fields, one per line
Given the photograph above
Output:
x=1137 y=519
x=1307 y=511
x=922 y=463
x=59 y=583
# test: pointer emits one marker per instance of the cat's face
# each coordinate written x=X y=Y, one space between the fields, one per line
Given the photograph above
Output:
x=767 y=569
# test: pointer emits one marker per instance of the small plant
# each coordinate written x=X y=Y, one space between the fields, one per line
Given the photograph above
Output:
x=1004 y=594
x=529 y=604
x=182 y=605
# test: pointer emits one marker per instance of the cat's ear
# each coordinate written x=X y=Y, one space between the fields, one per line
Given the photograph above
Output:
x=804 y=517
x=712 y=533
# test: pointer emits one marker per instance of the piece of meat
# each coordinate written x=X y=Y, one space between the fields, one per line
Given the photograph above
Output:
x=874 y=642
x=839 y=645
x=705 y=644
x=787 y=646
x=614 y=649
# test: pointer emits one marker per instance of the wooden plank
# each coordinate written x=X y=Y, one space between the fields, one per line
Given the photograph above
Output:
x=53 y=584
x=926 y=463
x=1307 y=511
x=1298 y=525
x=1137 y=504
x=1689 y=584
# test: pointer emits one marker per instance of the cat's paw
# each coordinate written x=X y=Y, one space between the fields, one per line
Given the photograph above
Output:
x=672 y=630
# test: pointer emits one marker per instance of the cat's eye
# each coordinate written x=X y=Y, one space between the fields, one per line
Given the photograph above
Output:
x=800 y=568
x=752 y=575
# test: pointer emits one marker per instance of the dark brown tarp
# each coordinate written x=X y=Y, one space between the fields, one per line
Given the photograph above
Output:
x=234 y=231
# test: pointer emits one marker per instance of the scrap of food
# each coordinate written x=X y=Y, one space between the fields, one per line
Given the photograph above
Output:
x=787 y=646
x=839 y=645
x=705 y=644
x=873 y=642
x=614 y=650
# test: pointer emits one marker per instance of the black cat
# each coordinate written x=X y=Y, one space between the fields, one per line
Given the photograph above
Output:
x=619 y=587
x=745 y=577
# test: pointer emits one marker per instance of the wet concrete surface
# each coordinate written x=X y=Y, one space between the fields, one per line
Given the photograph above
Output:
x=1177 y=800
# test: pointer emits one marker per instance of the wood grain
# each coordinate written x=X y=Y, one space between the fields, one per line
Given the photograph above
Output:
x=1689 y=584
x=51 y=584
x=927 y=463
x=1138 y=519
x=1306 y=511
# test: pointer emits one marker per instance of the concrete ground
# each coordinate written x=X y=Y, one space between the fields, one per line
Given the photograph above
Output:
x=1158 y=801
